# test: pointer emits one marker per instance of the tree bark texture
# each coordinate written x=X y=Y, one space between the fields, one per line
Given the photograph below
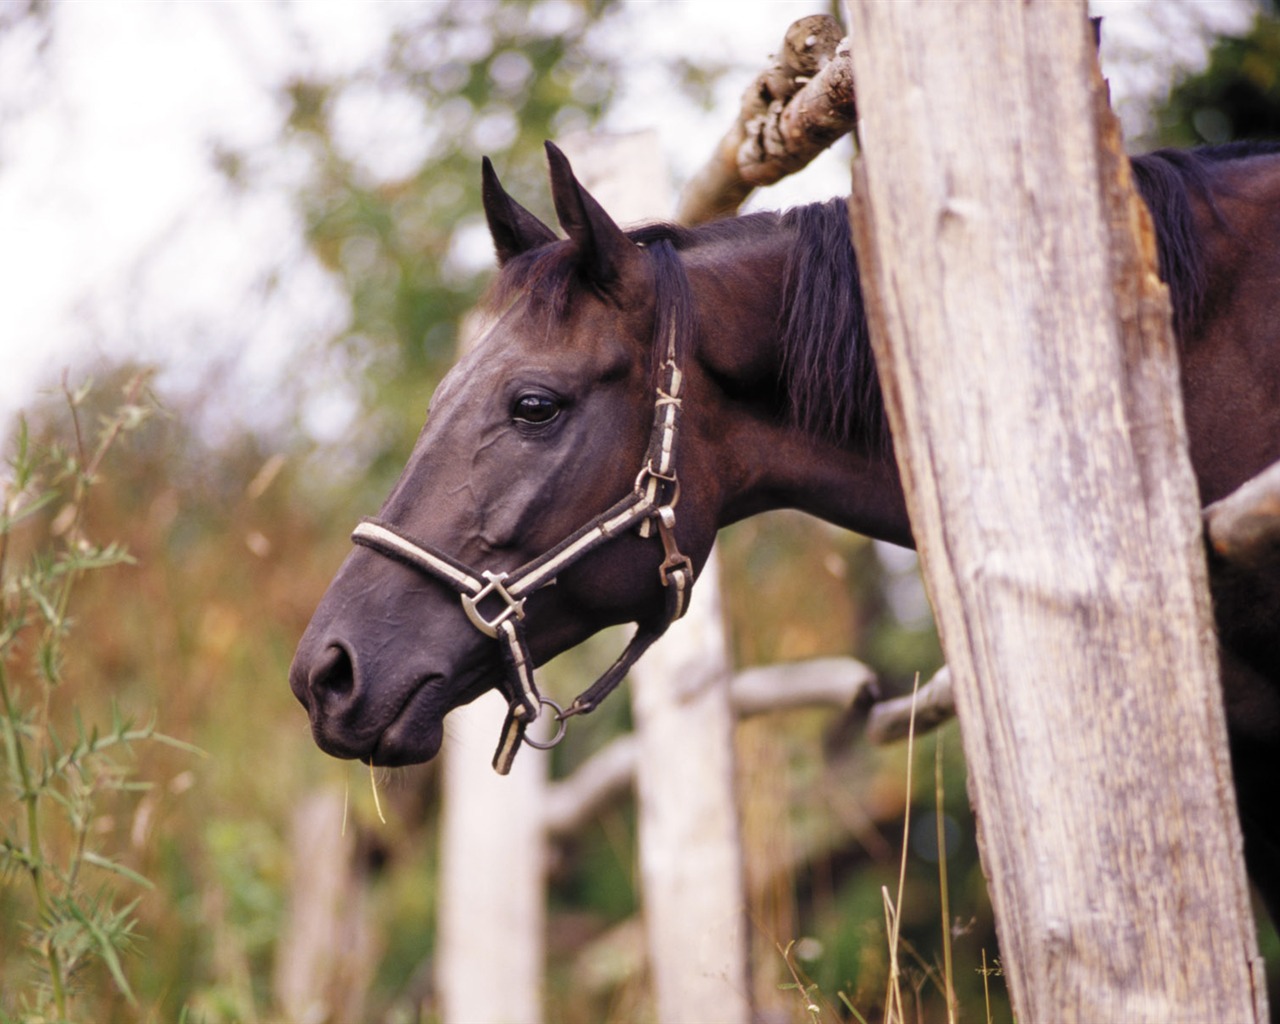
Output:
x=691 y=860
x=840 y=683
x=1024 y=345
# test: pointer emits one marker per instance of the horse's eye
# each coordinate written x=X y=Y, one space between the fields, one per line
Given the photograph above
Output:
x=535 y=407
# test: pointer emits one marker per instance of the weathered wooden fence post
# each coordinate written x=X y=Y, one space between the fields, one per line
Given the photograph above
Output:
x=328 y=954
x=1024 y=344
x=490 y=951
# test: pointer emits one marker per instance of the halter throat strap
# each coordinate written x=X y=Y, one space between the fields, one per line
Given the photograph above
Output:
x=494 y=601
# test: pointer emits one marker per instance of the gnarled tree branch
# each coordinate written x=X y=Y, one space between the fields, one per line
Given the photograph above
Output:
x=795 y=109
x=890 y=720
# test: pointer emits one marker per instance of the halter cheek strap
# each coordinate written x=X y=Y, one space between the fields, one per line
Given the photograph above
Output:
x=494 y=601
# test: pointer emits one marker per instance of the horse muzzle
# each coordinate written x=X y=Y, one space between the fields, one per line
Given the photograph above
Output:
x=383 y=660
x=348 y=722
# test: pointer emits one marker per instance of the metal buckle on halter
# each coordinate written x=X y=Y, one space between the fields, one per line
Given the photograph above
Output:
x=650 y=477
x=647 y=472
x=648 y=481
x=471 y=602
x=675 y=560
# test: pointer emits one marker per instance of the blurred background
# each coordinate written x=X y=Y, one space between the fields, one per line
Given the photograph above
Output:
x=272 y=212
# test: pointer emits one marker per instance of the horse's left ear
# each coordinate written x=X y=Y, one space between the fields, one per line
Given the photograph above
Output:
x=604 y=250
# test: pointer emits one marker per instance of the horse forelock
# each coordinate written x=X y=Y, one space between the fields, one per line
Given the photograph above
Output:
x=548 y=277
x=543 y=275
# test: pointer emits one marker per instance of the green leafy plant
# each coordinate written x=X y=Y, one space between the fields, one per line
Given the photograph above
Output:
x=62 y=886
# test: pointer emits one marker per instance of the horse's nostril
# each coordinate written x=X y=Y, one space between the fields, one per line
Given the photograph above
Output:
x=336 y=675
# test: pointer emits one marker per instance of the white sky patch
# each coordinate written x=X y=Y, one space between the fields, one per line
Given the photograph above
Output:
x=100 y=178
x=122 y=239
x=383 y=131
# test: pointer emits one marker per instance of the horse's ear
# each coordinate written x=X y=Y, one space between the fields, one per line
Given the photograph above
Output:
x=603 y=248
x=514 y=229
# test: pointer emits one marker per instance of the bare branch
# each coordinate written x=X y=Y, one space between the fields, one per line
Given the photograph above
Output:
x=608 y=773
x=796 y=108
x=789 y=136
x=889 y=721
x=1244 y=527
x=832 y=682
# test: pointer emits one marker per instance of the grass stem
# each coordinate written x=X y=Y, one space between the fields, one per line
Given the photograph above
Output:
x=944 y=895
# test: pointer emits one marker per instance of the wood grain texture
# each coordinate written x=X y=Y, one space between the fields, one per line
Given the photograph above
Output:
x=1024 y=344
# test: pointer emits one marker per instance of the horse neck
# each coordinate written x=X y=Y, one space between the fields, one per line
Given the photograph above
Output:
x=752 y=442
x=1230 y=358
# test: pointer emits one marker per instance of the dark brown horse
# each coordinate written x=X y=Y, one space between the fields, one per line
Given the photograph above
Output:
x=728 y=367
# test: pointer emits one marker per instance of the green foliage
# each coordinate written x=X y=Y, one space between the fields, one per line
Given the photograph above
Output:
x=1236 y=97
x=402 y=239
x=64 y=909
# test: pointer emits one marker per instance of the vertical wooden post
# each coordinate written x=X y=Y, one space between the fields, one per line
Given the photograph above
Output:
x=690 y=851
x=690 y=857
x=492 y=915
x=1024 y=343
x=327 y=954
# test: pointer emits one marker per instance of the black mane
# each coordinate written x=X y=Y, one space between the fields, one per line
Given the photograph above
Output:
x=828 y=368
x=1167 y=179
x=827 y=361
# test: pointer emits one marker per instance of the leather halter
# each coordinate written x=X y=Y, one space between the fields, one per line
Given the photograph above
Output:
x=649 y=506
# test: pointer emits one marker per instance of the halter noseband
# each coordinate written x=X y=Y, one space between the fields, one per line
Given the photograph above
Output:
x=650 y=505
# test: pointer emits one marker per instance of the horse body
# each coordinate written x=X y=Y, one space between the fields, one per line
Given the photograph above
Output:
x=545 y=423
x=1230 y=355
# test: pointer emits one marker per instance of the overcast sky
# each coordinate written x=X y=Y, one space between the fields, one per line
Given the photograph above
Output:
x=120 y=234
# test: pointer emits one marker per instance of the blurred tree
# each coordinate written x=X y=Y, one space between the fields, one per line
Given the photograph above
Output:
x=400 y=226
x=1236 y=97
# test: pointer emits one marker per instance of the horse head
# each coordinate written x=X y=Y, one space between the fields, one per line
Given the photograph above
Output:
x=537 y=506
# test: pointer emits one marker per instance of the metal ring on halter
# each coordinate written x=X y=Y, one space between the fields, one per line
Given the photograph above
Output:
x=647 y=472
x=561 y=721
